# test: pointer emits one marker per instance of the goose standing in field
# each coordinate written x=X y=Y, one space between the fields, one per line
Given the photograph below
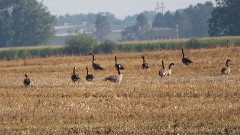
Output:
x=115 y=78
x=118 y=65
x=163 y=72
x=226 y=70
x=75 y=76
x=89 y=77
x=144 y=64
x=26 y=81
x=94 y=64
x=169 y=72
x=185 y=61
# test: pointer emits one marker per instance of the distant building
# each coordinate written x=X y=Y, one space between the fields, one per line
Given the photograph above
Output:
x=161 y=33
x=63 y=31
x=114 y=35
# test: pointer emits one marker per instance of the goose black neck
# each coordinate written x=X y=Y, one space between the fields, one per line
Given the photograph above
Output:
x=163 y=64
x=182 y=53
x=143 y=59
x=74 y=70
x=87 y=70
x=115 y=59
x=93 y=57
x=170 y=65
x=118 y=70
x=26 y=76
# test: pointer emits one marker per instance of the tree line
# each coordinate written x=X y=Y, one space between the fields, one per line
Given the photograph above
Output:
x=83 y=44
x=191 y=22
x=24 y=23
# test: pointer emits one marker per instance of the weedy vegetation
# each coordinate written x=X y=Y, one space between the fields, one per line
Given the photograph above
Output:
x=195 y=99
x=83 y=44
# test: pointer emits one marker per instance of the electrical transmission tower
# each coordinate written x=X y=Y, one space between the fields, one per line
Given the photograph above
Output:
x=159 y=8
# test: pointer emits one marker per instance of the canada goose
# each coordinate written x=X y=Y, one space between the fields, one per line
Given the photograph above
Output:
x=95 y=65
x=226 y=70
x=75 y=76
x=144 y=64
x=185 y=61
x=169 y=72
x=26 y=81
x=163 y=72
x=89 y=77
x=118 y=65
x=115 y=78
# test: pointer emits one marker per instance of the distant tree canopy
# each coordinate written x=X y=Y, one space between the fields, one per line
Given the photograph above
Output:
x=129 y=33
x=138 y=30
x=159 y=21
x=225 y=19
x=90 y=18
x=24 y=22
x=192 y=22
x=142 y=26
x=102 y=27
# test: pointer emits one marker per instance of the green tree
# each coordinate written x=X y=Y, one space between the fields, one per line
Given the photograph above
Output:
x=25 y=22
x=80 y=44
x=225 y=20
x=102 y=27
x=129 y=33
x=193 y=21
x=142 y=25
x=168 y=16
x=198 y=16
x=137 y=31
x=159 y=21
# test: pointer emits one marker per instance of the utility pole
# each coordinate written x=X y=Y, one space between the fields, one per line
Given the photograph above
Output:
x=177 y=31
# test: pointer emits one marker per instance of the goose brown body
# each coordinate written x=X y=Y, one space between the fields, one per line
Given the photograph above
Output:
x=226 y=70
x=75 y=77
x=89 y=77
x=26 y=81
x=144 y=64
x=185 y=61
x=163 y=72
x=95 y=66
x=115 y=78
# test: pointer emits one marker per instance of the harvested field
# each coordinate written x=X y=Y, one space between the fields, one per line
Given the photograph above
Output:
x=195 y=99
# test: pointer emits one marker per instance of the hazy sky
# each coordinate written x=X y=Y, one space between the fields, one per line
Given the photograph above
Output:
x=120 y=8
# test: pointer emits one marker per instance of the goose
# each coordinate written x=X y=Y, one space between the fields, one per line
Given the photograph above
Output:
x=89 y=77
x=95 y=65
x=185 y=61
x=163 y=71
x=144 y=64
x=26 y=81
x=115 y=78
x=118 y=65
x=226 y=70
x=75 y=76
x=169 y=72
